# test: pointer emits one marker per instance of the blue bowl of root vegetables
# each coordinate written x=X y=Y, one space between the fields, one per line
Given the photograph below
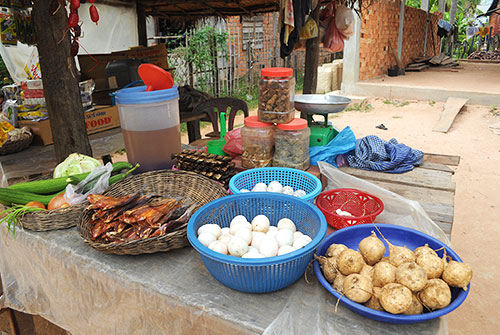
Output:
x=397 y=236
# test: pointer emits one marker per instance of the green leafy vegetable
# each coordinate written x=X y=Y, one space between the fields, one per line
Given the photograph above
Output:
x=75 y=164
x=14 y=214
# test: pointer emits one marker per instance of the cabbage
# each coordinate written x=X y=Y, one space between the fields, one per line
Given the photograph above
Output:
x=75 y=164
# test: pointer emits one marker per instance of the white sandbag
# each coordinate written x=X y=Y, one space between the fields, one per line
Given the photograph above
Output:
x=335 y=78
x=324 y=80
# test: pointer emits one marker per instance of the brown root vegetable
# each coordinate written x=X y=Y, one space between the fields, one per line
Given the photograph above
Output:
x=57 y=202
x=436 y=294
x=328 y=267
x=383 y=274
x=433 y=265
x=367 y=271
x=334 y=250
x=457 y=274
x=399 y=255
x=350 y=261
x=424 y=250
x=338 y=283
x=395 y=298
x=415 y=307
x=372 y=249
x=357 y=288
x=412 y=276
x=374 y=302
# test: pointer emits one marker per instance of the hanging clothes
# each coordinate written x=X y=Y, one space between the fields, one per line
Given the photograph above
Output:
x=288 y=38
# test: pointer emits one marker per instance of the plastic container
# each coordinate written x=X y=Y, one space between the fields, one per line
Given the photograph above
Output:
x=296 y=179
x=150 y=126
x=400 y=236
x=258 y=275
x=121 y=72
x=257 y=140
x=364 y=207
x=291 y=145
x=276 y=94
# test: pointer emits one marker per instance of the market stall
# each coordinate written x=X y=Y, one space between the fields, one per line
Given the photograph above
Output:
x=251 y=206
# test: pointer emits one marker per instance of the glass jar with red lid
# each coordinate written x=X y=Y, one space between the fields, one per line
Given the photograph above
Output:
x=291 y=145
x=257 y=139
x=276 y=94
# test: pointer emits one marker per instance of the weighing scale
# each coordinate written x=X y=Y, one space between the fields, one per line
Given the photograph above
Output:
x=320 y=104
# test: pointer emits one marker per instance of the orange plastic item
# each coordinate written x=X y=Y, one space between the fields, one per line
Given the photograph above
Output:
x=155 y=77
x=295 y=124
x=253 y=121
x=276 y=72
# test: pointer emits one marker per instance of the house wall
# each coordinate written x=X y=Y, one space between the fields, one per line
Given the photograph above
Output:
x=380 y=23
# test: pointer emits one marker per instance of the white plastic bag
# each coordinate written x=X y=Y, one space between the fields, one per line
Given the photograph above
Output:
x=397 y=209
x=101 y=173
x=344 y=21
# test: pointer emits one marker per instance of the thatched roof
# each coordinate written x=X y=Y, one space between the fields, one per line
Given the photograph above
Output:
x=189 y=9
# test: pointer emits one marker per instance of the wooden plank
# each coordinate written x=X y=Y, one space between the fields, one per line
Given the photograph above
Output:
x=436 y=166
x=451 y=109
x=438 y=212
x=417 y=68
x=446 y=227
x=450 y=160
x=419 y=194
x=433 y=179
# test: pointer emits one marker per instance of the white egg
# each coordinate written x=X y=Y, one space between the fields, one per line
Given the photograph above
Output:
x=296 y=235
x=244 y=190
x=260 y=187
x=286 y=224
x=257 y=238
x=260 y=223
x=245 y=234
x=284 y=237
x=299 y=193
x=214 y=229
x=238 y=218
x=252 y=249
x=272 y=231
x=239 y=225
x=225 y=239
x=287 y=190
x=300 y=242
x=252 y=255
x=275 y=187
x=237 y=246
x=206 y=238
x=268 y=247
x=225 y=231
x=285 y=250
x=219 y=247
x=307 y=238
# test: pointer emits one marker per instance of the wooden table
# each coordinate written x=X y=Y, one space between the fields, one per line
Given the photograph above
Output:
x=193 y=124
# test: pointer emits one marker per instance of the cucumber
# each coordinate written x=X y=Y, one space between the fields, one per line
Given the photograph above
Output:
x=9 y=197
x=48 y=186
x=54 y=185
x=120 y=176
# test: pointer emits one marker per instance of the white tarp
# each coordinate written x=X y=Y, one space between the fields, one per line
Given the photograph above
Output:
x=116 y=30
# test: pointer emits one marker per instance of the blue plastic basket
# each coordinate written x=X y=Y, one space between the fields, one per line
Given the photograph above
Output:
x=258 y=275
x=297 y=179
x=397 y=235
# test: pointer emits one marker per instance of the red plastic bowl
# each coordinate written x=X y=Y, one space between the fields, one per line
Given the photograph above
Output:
x=364 y=207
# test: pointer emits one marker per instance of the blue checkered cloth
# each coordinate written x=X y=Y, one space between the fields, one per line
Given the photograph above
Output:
x=373 y=153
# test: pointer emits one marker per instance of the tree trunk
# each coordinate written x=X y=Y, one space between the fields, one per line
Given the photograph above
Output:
x=60 y=81
x=311 y=62
x=141 y=25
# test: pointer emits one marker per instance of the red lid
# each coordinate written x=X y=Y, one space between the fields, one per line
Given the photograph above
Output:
x=276 y=72
x=295 y=124
x=253 y=121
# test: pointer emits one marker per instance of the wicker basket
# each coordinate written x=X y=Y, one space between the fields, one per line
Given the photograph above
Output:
x=187 y=185
x=10 y=147
x=52 y=220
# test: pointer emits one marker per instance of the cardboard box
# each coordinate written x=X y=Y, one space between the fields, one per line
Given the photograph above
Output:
x=100 y=119
x=157 y=55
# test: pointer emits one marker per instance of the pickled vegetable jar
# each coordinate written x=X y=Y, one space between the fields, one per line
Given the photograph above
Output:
x=257 y=140
x=276 y=94
x=291 y=145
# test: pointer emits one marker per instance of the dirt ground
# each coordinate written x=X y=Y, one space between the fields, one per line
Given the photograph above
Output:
x=475 y=232
x=466 y=77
